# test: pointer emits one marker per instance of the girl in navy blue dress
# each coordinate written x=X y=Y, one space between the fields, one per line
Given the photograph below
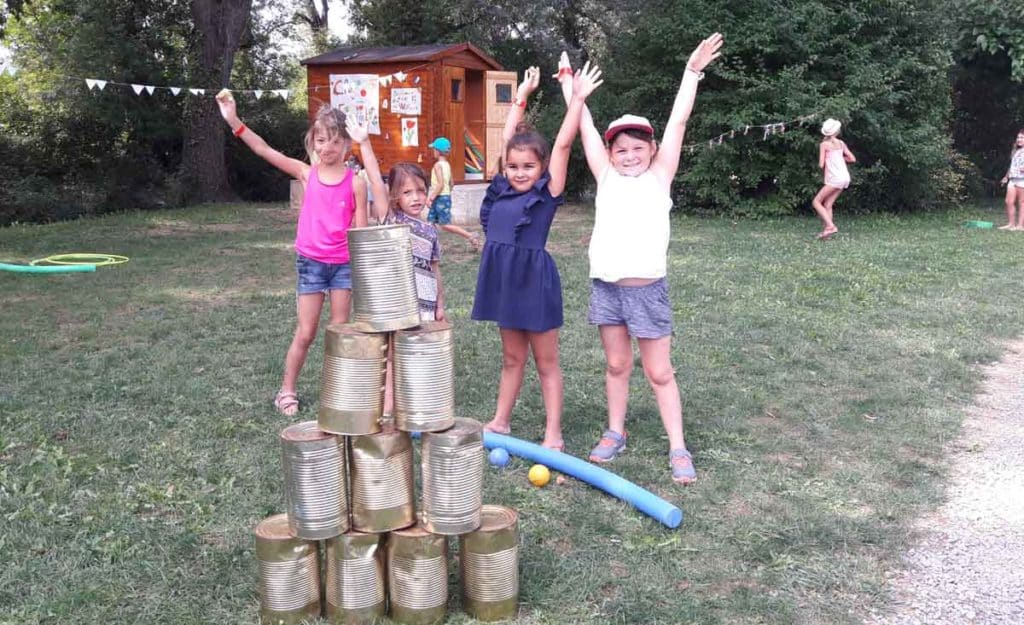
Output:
x=518 y=285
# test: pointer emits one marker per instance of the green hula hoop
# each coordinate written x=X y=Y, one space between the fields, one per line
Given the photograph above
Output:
x=97 y=260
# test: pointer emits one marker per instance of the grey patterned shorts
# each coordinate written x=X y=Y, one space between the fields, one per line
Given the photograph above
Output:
x=644 y=310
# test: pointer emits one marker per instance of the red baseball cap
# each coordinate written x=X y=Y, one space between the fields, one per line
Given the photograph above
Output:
x=628 y=122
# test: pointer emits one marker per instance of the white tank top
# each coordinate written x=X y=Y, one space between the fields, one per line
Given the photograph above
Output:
x=631 y=227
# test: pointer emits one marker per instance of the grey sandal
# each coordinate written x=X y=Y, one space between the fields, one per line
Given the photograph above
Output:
x=609 y=447
x=681 y=463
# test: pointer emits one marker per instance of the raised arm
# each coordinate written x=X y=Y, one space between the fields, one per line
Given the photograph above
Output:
x=584 y=83
x=293 y=167
x=666 y=162
x=531 y=79
x=593 y=144
x=360 y=135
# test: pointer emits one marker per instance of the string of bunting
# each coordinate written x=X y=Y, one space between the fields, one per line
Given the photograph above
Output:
x=101 y=84
x=769 y=130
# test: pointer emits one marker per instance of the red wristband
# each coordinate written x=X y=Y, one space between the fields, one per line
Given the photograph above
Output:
x=563 y=71
x=241 y=129
x=520 y=103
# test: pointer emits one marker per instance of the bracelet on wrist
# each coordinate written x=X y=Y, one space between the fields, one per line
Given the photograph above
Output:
x=700 y=75
x=564 y=70
x=240 y=130
x=521 y=103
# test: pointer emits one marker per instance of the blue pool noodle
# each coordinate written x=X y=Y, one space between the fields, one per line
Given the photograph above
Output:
x=644 y=500
x=46 y=268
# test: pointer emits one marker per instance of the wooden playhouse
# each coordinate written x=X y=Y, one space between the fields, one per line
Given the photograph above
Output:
x=408 y=95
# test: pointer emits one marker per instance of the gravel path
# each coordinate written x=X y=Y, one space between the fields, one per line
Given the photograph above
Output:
x=968 y=568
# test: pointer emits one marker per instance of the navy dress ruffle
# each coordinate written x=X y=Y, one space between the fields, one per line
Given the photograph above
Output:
x=518 y=284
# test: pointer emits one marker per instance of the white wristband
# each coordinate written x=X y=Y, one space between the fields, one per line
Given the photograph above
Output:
x=700 y=75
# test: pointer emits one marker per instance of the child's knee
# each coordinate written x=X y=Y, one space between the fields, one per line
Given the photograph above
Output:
x=513 y=360
x=619 y=367
x=660 y=375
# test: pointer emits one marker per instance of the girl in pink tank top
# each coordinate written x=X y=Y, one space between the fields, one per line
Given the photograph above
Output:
x=334 y=201
x=833 y=155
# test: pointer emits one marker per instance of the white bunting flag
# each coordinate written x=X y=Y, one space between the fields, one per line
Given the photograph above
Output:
x=150 y=89
x=258 y=93
x=12 y=70
x=281 y=92
x=197 y=91
x=399 y=76
x=90 y=83
x=101 y=84
x=175 y=90
x=137 y=89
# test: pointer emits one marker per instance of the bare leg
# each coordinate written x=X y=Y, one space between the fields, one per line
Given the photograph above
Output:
x=618 y=354
x=341 y=305
x=1011 y=207
x=655 y=355
x=308 y=309
x=822 y=204
x=515 y=347
x=1020 y=207
x=473 y=239
x=545 y=354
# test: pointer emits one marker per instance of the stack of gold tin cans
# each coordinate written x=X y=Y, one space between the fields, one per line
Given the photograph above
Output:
x=351 y=518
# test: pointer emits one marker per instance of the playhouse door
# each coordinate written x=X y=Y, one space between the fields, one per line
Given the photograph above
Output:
x=454 y=124
x=501 y=90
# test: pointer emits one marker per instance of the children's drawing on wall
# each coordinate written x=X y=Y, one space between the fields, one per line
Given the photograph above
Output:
x=405 y=101
x=410 y=130
x=358 y=96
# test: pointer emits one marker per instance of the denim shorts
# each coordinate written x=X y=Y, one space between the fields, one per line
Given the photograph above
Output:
x=644 y=310
x=318 y=277
x=441 y=210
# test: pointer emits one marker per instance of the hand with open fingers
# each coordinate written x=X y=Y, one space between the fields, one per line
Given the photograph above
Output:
x=226 y=104
x=706 y=52
x=564 y=68
x=586 y=80
x=356 y=131
x=531 y=80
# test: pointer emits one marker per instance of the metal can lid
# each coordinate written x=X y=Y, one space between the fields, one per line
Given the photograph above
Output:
x=305 y=431
x=494 y=518
x=413 y=531
x=274 y=528
x=426 y=327
x=463 y=429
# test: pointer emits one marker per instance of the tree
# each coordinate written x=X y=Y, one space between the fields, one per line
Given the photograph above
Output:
x=219 y=25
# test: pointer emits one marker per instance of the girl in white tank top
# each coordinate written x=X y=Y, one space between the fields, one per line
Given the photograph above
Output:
x=628 y=252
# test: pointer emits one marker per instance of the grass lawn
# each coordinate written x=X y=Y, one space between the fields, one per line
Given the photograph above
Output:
x=138 y=445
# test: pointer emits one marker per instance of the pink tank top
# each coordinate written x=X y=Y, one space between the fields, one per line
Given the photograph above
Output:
x=324 y=219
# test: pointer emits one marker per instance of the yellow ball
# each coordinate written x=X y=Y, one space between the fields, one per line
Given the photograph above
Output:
x=539 y=475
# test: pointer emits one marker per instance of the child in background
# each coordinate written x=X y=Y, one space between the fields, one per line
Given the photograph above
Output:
x=518 y=284
x=628 y=257
x=833 y=155
x=334 y=200
x=440 y=197
x=1014 y=181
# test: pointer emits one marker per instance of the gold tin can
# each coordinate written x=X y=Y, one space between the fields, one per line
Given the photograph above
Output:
x=352 y=381
x=383 y=495
x=489 y=563
x=355 y=579
x=383 y=283
x=424 y=370
x=289 y=574
x=315 y=488
x=417 y=576
x=453 y=477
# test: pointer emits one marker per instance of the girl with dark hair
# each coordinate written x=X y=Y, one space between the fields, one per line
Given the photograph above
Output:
x=1014 y=181
x=518 y=285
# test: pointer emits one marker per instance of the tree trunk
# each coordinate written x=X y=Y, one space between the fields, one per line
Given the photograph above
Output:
x=219 y=26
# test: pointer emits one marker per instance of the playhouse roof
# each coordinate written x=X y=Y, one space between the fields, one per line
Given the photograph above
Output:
x=398 y=54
